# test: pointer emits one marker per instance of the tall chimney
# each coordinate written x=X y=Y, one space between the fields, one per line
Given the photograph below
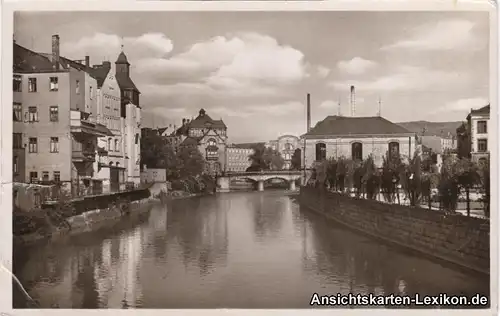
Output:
x=353 y=101
x=308 y=112
x=87 y=61
x=55 y=51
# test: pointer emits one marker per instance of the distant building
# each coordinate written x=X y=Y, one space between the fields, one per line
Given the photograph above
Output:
x=53 y=127
x=238 y=157
x=479 y=129
x=286 y=146
x=209 y=136
x=356 y=138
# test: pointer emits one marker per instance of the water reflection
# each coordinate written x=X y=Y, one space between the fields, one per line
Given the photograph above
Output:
x=241 y=250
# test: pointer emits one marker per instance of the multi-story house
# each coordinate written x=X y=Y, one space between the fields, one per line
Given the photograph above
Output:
x=130 y=112
x=53 y=122
x=356 y=138
x=238 y=157
x=210 y=136
x=110 y=163
x=478 y=121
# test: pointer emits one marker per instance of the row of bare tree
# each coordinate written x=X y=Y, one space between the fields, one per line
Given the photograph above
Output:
x=418 y=179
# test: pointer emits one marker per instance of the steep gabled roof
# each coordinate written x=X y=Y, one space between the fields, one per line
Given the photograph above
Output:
x=28 y=61
x=125 y=82
x=481 y=111
x=101 y=73
x=343 y=126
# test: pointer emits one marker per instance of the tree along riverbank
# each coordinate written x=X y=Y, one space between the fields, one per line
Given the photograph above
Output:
x=75 y=216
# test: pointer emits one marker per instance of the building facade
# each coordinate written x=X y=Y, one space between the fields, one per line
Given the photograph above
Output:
x=53 y=123
x=130 y=122
x=238 y=158
x=286 y=146
x=356 y=138
x=478 y=123
x=209 y=136
x=110 y=161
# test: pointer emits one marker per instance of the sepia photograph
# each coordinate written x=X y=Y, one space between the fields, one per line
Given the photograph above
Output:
x=266 y=159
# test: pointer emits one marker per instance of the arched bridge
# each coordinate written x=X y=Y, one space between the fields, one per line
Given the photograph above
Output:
x=223 y=182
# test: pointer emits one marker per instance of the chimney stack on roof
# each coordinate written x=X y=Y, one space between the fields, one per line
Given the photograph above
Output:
x=308 y=112
x=87 y=61
x=183 y=121
x=55 y=51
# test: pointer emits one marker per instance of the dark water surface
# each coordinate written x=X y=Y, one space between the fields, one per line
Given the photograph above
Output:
x=236 y=250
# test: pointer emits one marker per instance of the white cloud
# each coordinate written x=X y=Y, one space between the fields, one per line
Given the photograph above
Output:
x=441 y=35
x=356 y=66
x=323 y=71
x=261 y=59
x=463 y=105
x=278 y=109
x=407 y=78
x=107 y=46
x=329 y=104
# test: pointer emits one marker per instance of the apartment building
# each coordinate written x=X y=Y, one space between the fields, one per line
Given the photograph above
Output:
x=53 y=100
x=130 y=122
x=110 y=163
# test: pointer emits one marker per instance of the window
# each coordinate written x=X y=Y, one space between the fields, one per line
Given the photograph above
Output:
x=38 y=198
x=77 y=89
x=18 y=112
x=31 y=84
x=482 y=127
x=17 y=83
x=118 y=164
x=33 y=145
x=54 y=113
x=45 y=176
x=288 y=146
x=90 y=92
x=320 y=151
x=136 y=139
x=111 y=163
x=32 y=114
x=287 y=156
x=116 y=145
x=482 y=145
x=57 y=176
x=393 y=149
x=357 y=151
x=54 y=83
x=54 y=144
x=15 y=165
x=17 y=141
x=33 y=176
x=109 y=144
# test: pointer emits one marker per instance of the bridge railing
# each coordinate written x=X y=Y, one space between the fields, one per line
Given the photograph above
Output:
x=254 y=173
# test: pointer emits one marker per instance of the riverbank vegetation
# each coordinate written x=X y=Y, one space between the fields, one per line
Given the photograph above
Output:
x=186 y=168
x=265 y=158
x=417 y=181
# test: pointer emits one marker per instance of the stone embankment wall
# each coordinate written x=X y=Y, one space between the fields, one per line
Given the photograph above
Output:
x=457 y=239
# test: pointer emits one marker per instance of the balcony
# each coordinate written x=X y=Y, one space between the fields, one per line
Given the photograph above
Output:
x=83 y=123
x=85 y=155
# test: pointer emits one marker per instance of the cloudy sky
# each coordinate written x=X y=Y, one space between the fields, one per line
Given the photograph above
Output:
x=254 y=69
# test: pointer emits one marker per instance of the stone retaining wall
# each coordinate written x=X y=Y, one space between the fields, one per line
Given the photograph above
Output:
x=88 y=222
x=464 y=241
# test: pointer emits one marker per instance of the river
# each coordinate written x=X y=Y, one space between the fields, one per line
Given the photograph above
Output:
x=234 y=250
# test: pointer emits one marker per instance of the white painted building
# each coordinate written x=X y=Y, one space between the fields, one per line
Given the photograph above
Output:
x=478 y=122
x=356 y=138
x=130 y=126
x=111 y=157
